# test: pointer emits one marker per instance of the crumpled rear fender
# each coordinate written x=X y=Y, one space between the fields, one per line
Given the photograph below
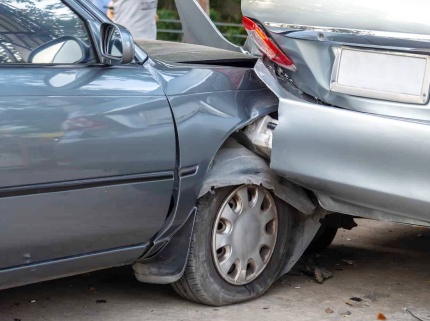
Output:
x=236 y=165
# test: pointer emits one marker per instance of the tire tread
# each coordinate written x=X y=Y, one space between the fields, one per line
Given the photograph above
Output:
x=188 y=286
x=194 y=286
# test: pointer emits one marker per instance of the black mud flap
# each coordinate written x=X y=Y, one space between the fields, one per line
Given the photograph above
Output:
x=168 y=265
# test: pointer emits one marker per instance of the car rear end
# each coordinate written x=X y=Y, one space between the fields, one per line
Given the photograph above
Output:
x=354 y=80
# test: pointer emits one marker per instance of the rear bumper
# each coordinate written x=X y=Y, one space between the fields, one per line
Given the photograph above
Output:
x=371 y=161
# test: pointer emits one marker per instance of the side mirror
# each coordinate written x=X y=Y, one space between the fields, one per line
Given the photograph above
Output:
x=63 y=50
x=117 y=44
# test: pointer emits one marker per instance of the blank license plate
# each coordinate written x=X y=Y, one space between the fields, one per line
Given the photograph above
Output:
x=381 y=75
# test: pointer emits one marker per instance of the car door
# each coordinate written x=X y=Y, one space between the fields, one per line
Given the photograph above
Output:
x=87 y=151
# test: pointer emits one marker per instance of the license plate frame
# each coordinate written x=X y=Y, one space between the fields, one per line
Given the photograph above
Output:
x=355 y=77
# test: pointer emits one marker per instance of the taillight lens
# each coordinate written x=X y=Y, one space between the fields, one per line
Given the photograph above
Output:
x=266 y=45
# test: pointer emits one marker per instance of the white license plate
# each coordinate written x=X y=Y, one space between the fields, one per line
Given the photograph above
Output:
x=382 y=75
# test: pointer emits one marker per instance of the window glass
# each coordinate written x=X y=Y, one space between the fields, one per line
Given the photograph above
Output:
x=41 y=31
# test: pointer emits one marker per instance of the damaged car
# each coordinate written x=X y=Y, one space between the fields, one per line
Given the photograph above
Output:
x=211 y=169
x=353 y=82
x=353 y=85
x=120 y=152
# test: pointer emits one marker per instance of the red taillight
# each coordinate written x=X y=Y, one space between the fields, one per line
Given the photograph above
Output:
x=266 y=45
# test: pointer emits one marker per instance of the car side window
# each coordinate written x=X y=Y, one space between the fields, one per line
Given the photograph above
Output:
x=42 y=32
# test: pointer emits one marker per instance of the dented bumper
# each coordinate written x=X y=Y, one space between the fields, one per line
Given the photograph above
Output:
x=346 y=157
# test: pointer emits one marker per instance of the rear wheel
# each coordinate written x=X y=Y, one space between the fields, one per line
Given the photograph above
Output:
x=238 y=246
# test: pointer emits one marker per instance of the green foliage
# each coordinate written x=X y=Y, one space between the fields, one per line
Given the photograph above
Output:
x=228 y=10
x=166 y=14
x=214 y=14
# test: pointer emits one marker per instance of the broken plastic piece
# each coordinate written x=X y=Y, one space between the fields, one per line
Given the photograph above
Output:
x=260 y=133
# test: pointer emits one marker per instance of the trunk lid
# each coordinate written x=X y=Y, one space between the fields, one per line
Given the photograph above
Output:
x=382 y=15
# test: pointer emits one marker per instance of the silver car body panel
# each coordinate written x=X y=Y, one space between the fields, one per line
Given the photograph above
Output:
x=315 y=62
x=364 y=157
x=383 y=15
x=361 y=156
x=367 y=160
x=356 y=163
x=313 y=33
x=339 y=206
x=282 y=27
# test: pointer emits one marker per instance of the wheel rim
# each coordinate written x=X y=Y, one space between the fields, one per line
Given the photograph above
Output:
x=244 y=234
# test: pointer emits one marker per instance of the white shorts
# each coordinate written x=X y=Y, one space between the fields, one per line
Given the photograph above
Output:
x=138 y=16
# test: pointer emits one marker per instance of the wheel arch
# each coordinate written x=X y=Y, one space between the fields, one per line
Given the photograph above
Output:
x=227 y=169
x=208 y=126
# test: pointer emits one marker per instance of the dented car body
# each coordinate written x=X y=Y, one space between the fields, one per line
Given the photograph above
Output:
x=359 y=139
x=208 y=168
x=354 y=106
x=121 y=152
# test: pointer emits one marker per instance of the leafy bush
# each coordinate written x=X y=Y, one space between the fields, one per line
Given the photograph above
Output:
x=167 y=14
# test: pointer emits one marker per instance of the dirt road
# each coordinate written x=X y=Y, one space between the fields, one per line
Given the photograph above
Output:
x=384 y=267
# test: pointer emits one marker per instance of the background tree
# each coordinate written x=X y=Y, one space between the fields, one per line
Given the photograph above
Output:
x=226 y=10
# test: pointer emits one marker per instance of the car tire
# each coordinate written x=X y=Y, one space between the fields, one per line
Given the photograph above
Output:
x=203 y=281
x=322 y=239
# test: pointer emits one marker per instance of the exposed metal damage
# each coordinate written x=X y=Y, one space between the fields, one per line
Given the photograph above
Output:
x=227 y=170
x=260 y=133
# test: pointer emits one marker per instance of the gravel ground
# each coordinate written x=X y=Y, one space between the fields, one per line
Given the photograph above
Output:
x=385 y=267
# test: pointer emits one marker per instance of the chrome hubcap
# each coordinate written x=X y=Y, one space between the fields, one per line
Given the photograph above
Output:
x=244 y=234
